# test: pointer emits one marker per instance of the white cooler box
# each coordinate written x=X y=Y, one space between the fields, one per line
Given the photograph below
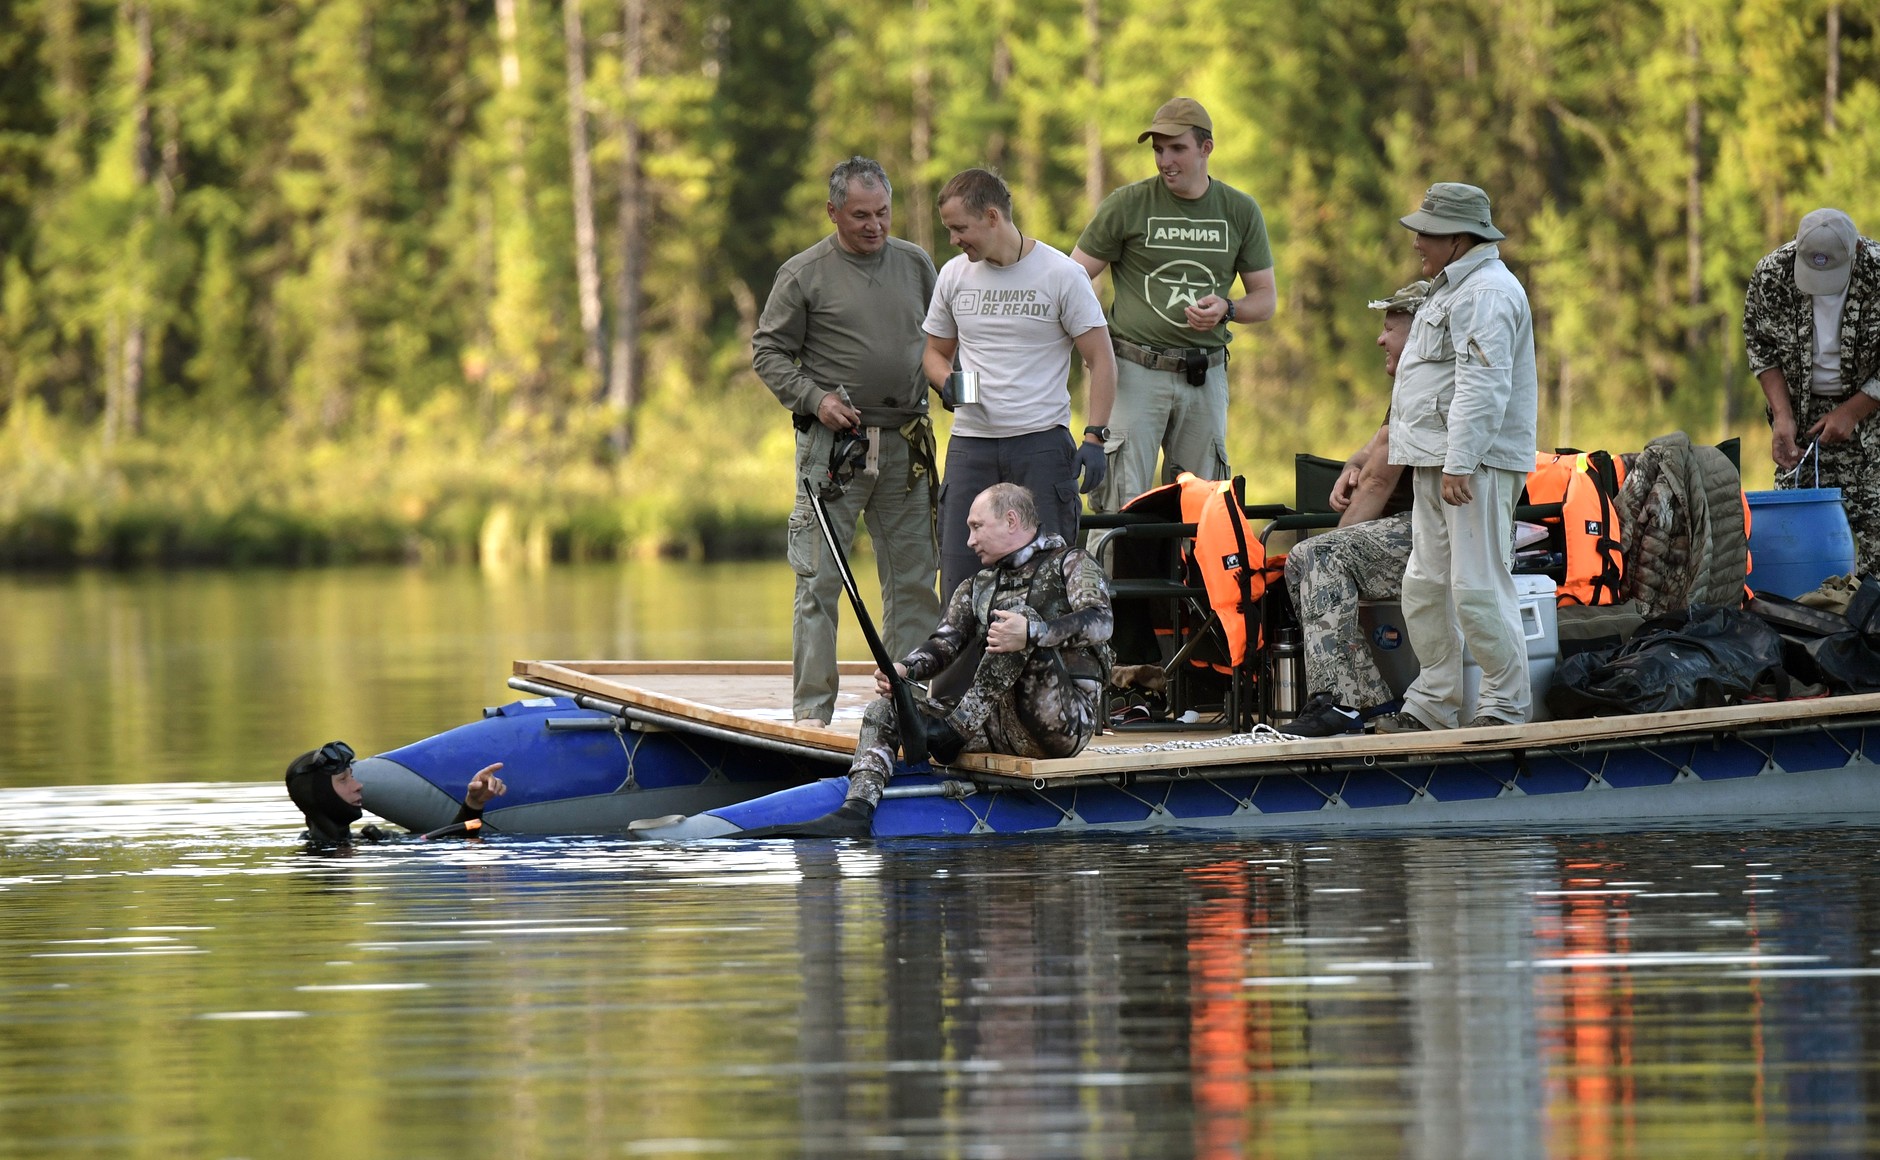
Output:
x=1382 y=622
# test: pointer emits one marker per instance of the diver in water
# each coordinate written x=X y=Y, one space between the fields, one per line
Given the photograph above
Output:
x=322 y=784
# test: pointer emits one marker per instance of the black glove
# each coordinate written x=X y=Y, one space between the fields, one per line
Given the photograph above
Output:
x=1091 y=465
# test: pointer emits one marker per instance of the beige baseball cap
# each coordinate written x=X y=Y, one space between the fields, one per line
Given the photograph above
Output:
x=1177 y=117
x=1824 y=252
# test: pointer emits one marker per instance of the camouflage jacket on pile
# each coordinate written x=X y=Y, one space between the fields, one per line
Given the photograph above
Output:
x=1681 y=512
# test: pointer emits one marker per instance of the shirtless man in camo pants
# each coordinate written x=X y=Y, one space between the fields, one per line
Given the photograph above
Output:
x=1363 y=559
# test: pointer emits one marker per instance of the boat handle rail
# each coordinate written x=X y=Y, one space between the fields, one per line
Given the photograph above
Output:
x=949 y=788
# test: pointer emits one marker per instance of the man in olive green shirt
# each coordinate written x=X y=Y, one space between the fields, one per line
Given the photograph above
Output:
x=840 y=344
x=1176 y=242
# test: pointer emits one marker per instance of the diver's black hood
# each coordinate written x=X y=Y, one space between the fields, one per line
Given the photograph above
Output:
x=310 y=784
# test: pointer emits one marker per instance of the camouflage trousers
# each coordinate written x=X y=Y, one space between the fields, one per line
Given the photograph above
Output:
x=1021 y=703
x=1854 y=467
x=1327 y=575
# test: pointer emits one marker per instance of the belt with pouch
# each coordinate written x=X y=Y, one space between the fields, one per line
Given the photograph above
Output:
x=1194 y=361
x=804 y=422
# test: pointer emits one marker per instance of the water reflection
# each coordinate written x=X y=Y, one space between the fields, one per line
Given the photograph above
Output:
x=224 y=676
x=177 y=978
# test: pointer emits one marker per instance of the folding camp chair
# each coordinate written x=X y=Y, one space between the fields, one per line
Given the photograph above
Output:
x=1160 y=617
x=1178 y=610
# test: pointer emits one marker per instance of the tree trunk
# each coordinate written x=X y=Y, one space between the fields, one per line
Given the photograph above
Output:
x=508 y=31
x=1563 y=405
x=1694 y=200
x=522 y=352
x=1832 y=93
x=1093 y=126
x=623 y=384
x=1001 y=76
x=586 y=256
x=920 y=199
x=123 y=407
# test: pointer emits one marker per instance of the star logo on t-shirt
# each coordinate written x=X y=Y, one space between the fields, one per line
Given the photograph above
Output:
x=1175 y=285
x=1184 y=289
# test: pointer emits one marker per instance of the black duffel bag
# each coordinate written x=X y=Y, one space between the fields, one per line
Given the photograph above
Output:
x=1863 y=611
x=1714 y=656
x=1847 y=661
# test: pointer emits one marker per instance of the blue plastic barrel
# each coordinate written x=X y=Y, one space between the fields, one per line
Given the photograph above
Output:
x=1798 y=539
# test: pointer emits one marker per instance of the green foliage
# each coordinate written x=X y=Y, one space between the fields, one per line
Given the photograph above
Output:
x=295 y=282
x=768 y=68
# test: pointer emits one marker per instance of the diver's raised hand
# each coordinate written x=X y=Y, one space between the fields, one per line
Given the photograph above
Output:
x=484 y=785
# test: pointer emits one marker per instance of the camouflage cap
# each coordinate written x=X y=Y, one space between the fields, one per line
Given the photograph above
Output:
x=1404 y=301
x=1453 y=208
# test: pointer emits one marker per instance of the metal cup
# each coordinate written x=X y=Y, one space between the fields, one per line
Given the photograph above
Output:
x=963 y=387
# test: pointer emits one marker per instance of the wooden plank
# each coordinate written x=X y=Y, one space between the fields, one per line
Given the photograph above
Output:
x=1443 y=742
x=701 y=668
x=680 y=690
x=754 y=697
x=761 y=698
x=562 y=677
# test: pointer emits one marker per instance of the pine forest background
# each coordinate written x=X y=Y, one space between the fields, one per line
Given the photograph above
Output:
x=293 y=281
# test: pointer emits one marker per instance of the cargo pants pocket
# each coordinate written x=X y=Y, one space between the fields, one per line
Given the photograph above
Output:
x=1110 y=497
x=805 y=546
x=1070 y=507
x=1221 y=468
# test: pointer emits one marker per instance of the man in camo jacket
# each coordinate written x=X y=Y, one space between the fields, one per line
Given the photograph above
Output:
x=1811 y=327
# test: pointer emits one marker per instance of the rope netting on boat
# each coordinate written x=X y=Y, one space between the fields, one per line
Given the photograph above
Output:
x=1261 y=735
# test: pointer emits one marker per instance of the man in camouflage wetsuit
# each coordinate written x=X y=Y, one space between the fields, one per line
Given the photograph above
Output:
x=1811 y=327
x=1043 y=610
x=1362 y=559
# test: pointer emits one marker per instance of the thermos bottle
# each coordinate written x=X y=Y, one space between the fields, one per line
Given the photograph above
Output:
x=1286 y=670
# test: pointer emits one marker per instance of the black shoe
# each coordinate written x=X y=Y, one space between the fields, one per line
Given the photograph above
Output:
x=943 y=741
x=853 y=819
x=1324 y=717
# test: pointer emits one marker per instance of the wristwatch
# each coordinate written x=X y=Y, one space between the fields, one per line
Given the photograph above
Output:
x=1230 y=311
x=1102 y=433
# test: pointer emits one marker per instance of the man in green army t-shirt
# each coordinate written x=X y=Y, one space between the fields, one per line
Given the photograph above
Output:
x=1176 y=240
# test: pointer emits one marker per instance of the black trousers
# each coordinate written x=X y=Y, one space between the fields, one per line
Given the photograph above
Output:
x=1045 y=462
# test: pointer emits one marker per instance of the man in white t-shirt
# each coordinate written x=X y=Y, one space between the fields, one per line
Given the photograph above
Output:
x=1012 y=308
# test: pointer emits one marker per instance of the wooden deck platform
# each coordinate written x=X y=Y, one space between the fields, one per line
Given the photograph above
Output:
x=753 y=697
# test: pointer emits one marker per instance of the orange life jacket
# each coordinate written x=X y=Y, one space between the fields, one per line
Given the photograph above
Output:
x=1224 y=557
x=1586 y=486
x=1228 y=556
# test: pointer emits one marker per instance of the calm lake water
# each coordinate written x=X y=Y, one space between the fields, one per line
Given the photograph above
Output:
x=178 y=979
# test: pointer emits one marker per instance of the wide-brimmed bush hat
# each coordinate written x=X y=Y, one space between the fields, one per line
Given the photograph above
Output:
x=1453 y=208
